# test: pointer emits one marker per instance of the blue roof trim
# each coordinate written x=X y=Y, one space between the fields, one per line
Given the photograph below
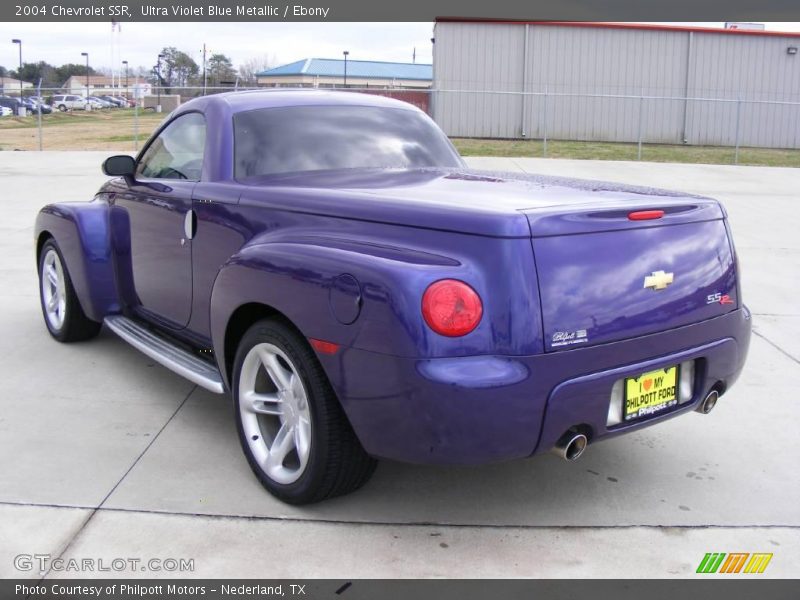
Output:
x=366 y=69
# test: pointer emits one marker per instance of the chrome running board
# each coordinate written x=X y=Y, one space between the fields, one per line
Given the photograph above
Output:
x=173 y=357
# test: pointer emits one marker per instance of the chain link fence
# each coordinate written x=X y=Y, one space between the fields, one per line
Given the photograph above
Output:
x=641 y=119
x=641 y=124
x=59 y=119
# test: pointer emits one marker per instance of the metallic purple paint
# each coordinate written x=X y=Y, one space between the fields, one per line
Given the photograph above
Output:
x=545 y=255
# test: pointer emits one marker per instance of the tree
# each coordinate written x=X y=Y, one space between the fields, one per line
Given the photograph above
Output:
x=249 y=69
x=219 y=69
x=177 y=68
x=46 y=72
x=3 y=71
x=64 y=72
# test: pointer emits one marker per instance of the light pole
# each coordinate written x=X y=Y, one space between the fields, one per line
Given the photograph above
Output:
x=345 y=66
x=127 y=89
x=19 y=73
x=86 y=54
x=158 y=76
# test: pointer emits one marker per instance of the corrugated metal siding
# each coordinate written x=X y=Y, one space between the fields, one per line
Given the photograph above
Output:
x=573 y=64
x=749 y=69
x=587 y=61
x=468 y=57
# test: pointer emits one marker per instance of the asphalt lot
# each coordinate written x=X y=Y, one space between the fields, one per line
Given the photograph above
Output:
x=104 y=454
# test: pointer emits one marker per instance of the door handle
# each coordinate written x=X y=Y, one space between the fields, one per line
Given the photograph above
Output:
x=190 y=224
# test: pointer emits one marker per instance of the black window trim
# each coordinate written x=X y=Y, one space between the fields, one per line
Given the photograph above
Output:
x=158 y=132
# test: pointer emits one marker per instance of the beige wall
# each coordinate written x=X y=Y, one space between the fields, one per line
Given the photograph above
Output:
x=78 y=87
x=169 y=102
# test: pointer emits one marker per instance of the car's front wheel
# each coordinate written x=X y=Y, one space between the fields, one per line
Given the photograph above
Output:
x=62 y=108
x=61 y=308
x=293 y=431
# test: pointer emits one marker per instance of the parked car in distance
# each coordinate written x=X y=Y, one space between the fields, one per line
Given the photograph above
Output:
x=13 y=103
x=32 y=104
x=65 y=102
x=114 y=102
x=124 y=102
x=328 y=260
x=98 y=102
x=44 y=102
x=37 y=104
x=5 y=111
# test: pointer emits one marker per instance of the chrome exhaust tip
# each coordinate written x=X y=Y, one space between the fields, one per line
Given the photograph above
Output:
x=709 y=402
x=571 y=446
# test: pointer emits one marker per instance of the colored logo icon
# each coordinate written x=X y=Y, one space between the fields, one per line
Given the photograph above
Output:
x=734 y=562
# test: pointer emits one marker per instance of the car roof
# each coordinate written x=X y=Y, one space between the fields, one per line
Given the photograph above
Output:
x=284 y=97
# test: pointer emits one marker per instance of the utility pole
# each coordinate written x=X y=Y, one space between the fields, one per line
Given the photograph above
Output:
x=19 y=73
x=345 y=67
x=86 y=54
x=158 y=78
x=205 y=80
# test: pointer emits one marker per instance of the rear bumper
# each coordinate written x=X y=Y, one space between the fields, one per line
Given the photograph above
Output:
x=481 y=409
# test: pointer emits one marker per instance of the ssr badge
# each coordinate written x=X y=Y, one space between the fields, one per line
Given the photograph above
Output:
x=718 y=298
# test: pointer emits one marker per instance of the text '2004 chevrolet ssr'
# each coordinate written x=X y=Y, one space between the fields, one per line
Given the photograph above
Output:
x=327 y=259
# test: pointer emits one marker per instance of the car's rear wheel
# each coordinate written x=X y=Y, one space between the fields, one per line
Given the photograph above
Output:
x=292 y=429
x=62 y=311
x=62 y=108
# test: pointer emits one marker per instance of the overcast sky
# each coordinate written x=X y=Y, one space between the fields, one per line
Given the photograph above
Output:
x=139 y=43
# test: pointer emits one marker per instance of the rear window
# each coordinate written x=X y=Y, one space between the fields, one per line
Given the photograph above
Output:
x=270 y=141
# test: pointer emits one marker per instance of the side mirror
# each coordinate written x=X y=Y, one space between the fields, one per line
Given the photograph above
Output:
x=120 y=166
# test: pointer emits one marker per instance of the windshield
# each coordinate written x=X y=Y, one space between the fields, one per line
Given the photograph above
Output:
x=269 y=141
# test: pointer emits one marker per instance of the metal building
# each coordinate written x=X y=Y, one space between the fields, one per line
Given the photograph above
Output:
x=616 y=82
x=332 y=72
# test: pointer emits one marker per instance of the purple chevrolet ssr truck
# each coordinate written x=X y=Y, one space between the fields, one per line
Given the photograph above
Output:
x=328 y=260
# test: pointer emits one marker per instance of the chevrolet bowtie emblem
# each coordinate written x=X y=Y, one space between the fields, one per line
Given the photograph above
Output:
x=658 y=280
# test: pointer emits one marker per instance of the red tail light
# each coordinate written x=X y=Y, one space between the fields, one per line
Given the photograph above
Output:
x=645 y=215
x=452 y=308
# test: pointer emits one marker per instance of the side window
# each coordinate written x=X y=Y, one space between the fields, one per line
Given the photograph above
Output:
x=177 y=152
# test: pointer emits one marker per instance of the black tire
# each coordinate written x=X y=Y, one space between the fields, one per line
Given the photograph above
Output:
x=75 y=325
x=337 y=463
x=62 y=108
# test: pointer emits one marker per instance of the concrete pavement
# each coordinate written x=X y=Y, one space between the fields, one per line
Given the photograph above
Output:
x=104 y=454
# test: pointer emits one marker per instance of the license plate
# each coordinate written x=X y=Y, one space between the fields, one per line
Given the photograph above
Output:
x=650 y=393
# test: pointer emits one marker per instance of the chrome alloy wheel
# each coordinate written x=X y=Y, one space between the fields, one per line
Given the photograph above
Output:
x=54 y=293
x=275 y=415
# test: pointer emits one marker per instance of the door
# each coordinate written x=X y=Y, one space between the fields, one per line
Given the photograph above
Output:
x=158 y=207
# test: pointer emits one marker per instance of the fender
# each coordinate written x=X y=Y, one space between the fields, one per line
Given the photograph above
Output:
x=81 y=231
x=366 y=295
x=299 y=280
